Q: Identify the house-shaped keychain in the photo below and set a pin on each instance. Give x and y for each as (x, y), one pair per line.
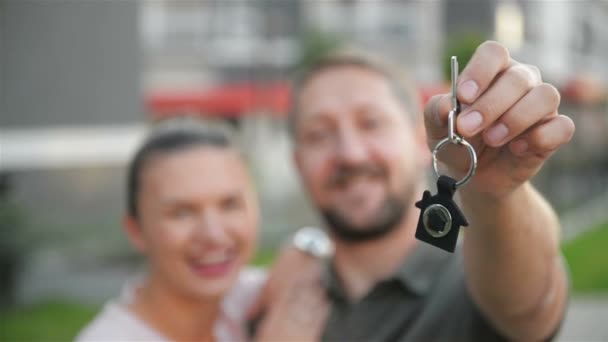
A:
(440, 218)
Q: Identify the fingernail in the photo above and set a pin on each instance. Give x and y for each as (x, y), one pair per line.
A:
(497, 133)
(470, 122)
(468, 90)
(519, 147)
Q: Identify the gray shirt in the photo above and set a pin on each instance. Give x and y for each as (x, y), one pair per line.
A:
(425, 300)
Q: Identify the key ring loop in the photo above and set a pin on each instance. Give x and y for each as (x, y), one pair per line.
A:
(453, 137)
(458, 141)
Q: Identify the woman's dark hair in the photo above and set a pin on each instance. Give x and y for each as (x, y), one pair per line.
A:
(166, 137)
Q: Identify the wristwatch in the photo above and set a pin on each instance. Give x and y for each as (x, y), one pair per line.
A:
(313, 241)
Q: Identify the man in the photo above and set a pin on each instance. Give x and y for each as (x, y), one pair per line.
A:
(361, 150)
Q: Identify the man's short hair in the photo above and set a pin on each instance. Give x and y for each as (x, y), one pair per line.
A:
(169, 136)
(399, 81)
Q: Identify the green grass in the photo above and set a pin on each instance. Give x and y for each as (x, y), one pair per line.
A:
(62, 320)
(264, 257)
(53, 321)
(587, 257)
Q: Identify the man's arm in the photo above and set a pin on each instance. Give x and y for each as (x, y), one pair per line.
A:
(514, 270)
(513, 266)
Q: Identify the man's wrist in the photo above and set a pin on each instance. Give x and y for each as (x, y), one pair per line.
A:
(481, 198)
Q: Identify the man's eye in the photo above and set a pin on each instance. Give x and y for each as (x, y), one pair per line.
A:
(232, 203)
(371, 123)
(316, 136)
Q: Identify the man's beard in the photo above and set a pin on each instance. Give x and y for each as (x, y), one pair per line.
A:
(387, 218)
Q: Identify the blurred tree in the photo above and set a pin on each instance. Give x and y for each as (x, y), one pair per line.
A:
(315, 44)
(11, 242)
(461, 45)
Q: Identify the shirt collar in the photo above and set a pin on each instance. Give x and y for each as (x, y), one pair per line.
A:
(331, 280)
(421, 267)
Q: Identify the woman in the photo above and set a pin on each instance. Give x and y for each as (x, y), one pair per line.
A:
(193, 214)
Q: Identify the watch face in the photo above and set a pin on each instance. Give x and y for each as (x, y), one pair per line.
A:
(437, 220)
(313, 241)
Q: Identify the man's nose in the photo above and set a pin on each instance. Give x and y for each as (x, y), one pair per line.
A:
(351, 148)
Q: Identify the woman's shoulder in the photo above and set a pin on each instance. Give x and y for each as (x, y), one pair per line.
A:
(251, 276)
(245, 291)
(116, 323)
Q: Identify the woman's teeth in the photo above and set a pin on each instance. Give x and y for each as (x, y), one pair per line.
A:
(213, 259)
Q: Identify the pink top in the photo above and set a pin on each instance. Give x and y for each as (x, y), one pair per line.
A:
(116, 322)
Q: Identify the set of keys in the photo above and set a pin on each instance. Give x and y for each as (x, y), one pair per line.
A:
(440, 217)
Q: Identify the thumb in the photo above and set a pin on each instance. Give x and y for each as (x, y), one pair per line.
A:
(436, 117)
(258, 307)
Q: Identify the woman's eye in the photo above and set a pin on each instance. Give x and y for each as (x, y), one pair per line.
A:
(182, 212)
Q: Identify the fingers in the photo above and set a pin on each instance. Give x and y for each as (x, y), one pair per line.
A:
(292, 264)
(490, 84)
(258, 307)
(507, 89)
(436, 116)
(303, 294)
(487, 62)
(544, 138)
(310, 305)
(304, 290)
(300, 312)
(507, 104)
(539, 103)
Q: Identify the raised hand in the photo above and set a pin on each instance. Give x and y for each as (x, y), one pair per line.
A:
(508, 114)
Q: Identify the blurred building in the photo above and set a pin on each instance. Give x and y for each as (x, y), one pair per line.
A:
(203, 44)
(70, 113)
(76, 78)
(200, 43)
(257, 40)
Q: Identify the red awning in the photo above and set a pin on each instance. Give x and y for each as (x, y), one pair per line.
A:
(584, 89)
(237, 100)
(231, 100)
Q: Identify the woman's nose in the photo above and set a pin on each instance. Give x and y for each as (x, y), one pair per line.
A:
(211, 228)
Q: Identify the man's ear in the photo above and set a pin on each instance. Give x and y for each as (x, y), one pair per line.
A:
(134, 232)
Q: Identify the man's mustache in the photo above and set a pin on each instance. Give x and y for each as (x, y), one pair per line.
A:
(344, 173)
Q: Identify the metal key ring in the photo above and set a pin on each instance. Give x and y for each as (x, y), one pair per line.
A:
(458, 141)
